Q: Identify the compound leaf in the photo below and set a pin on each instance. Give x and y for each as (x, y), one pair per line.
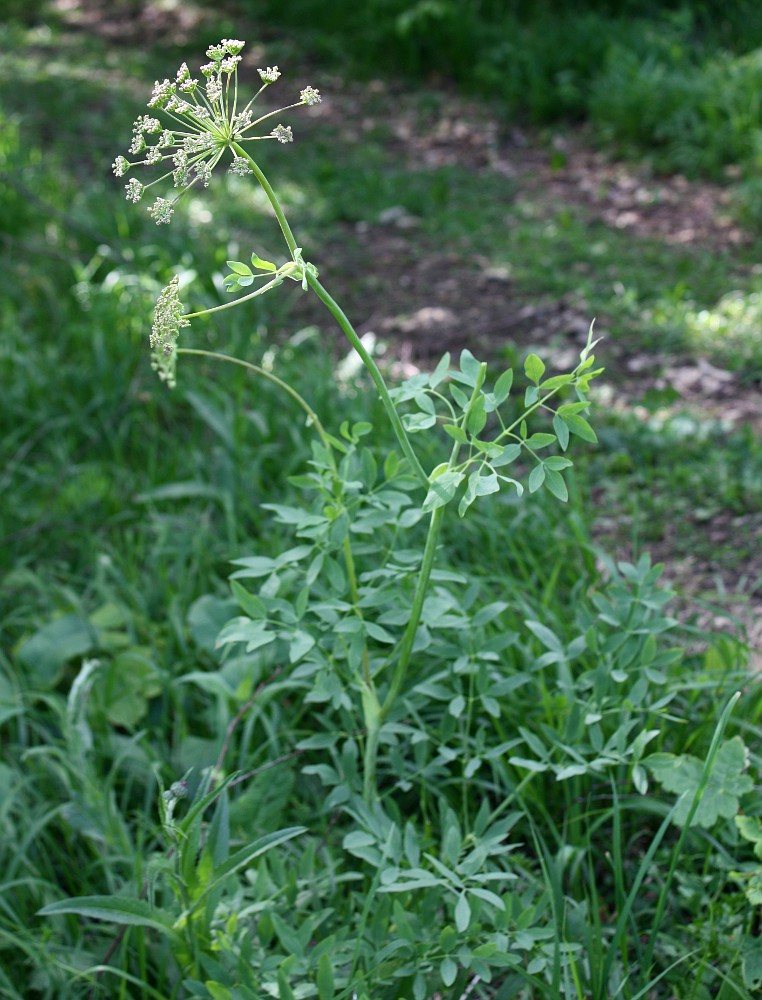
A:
(725, 785)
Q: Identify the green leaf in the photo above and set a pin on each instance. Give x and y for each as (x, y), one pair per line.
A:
(241, 629)
(244, 857)
(262, 265)
(238, 267)
(459, 396)
(299, 646)
(448, 970)
(724, 788)
(536, 478)
(284, 990)
(568, 408)
(509, 454)
(462, 913)
(116, 909)
(503, 386)
(456, 433)
(537, 441)
(325, 985)
(579, 426)
(485, 483)
(45, 653)
(557, 462)
(534, 368)
(457, 706)
(440, 372)
(751, 963)
(470, 367)
(750, 828)
(442, 490)
(477, 417)
(561, 431)
(126, 684)
(218, 991)
(206, 617)
(554, 482)
(248, 602)
(468, 497)
(555, 382)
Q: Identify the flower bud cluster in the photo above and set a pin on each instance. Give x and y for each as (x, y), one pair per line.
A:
(168, 320)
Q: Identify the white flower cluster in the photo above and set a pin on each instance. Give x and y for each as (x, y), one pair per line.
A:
(282, 133)
(310, 96)
(206, 121)
(269, 75)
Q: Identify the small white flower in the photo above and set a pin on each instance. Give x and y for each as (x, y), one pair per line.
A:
(177, 105)
(183, 73)
(213, 91)
(120, 166)
(242, 120)
(153, 155)
(161, 94)
(229, 64)
(215, 52)
(232, 45)
(144, 123)
(204, 172)
(310, 96)
(188, 86)
(208, 68)
(138, 144)
(161, 211)
(282, 133)
(240, 166)
(167, 139)
(197, 144)
(134, 190)
(181, 177)
(269, 75)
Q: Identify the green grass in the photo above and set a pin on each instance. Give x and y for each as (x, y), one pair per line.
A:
(123, 505)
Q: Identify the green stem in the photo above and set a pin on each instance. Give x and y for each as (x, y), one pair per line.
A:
(375, 715)
(236, 302)
(313, 417)
(408, 639)
(271, 197)
(391, 411)
(338, 313)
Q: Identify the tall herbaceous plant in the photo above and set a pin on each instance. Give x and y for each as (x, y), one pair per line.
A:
(395, 682)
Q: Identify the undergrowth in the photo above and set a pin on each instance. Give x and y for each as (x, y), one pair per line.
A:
(559, 784)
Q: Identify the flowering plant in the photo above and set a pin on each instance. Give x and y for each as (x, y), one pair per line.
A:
(480, 441)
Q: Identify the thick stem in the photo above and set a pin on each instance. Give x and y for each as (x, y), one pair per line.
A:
(271, 197)
(375, 717)
(408, 639)
(391, 411)
(339, 315)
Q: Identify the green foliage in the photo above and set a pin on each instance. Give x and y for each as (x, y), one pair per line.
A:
(675, 82)
(515, 843)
